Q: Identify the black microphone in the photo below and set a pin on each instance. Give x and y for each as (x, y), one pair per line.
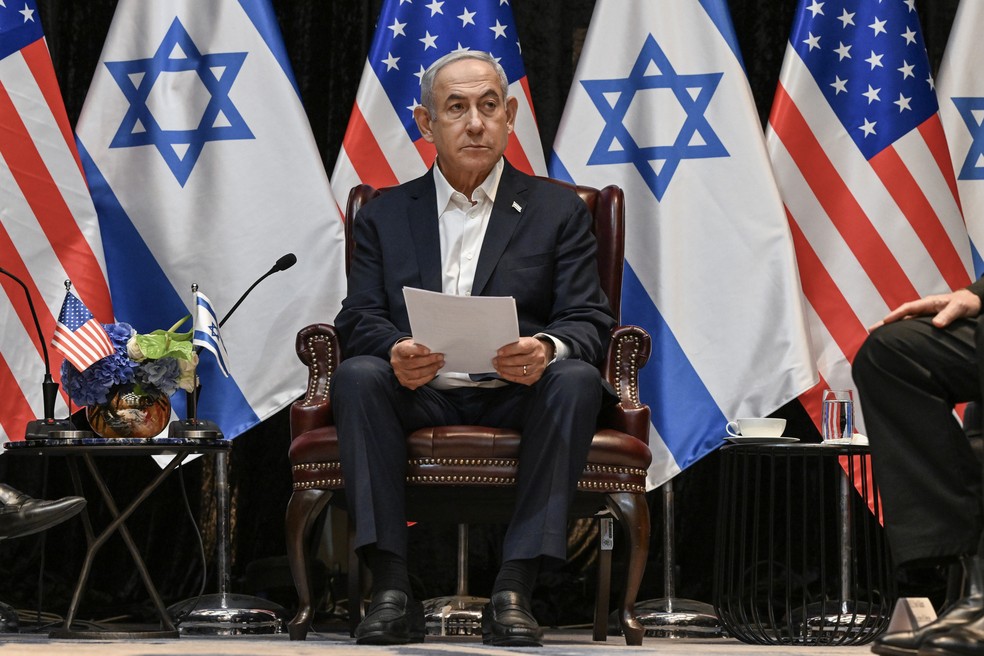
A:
(284, 263)
(43, 428)
(193, 427)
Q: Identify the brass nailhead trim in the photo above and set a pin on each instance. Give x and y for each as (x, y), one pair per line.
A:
(466, 462)
(317, 466)
(487, 480)
(321, 483)
(312, 390)
(633, 386)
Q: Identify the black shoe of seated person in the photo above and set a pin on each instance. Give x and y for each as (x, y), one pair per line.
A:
(508, 622)
(391, 619)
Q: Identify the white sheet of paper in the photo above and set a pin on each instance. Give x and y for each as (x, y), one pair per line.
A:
(468, 330)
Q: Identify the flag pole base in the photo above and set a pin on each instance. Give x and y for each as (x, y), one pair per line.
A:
(224, 614)
(195, 429)
(54, 429)
(672, 617)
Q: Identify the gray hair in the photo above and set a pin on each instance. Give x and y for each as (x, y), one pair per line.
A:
(427, 80)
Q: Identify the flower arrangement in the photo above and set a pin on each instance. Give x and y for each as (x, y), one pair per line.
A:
(163, 360)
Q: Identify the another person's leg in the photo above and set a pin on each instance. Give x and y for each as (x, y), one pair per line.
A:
(910, 374)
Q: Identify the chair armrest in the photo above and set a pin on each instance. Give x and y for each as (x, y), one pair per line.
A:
(627, 354)
(318, 348)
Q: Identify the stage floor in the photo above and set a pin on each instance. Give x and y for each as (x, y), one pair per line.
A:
(557, 643)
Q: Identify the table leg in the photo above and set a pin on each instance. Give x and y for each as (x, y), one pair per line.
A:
(118, 524)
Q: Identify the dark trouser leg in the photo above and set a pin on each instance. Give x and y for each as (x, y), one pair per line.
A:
(373, 415)
(561, 412)
(909, 376)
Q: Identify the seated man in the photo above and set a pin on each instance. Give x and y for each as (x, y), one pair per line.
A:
(471, 225)
(22, 515)
(917, 363)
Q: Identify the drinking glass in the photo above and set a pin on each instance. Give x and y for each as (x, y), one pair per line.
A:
(838, 415)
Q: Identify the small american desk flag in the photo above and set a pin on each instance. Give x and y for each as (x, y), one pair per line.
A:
(79, 336)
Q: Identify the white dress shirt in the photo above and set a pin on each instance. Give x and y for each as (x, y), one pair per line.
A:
(462, 222)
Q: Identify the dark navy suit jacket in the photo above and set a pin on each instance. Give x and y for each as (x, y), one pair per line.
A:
(538, 248)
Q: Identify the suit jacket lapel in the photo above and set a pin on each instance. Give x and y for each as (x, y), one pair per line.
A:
(422, 215)
(510, 195)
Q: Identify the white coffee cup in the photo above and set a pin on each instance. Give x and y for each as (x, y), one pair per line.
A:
(756, 427)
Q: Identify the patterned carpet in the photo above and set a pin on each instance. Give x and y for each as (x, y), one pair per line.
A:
(557, 643)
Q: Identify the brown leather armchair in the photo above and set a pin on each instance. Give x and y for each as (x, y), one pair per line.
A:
(480, 463)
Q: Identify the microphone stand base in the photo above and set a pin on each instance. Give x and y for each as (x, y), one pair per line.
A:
(223, 613)
(195, 429)
(54, 429)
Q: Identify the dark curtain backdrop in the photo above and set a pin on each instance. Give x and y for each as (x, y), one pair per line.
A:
(328, 42)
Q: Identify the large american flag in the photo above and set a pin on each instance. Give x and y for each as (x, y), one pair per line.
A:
(382, 144)
(861, 160)
(48, 230)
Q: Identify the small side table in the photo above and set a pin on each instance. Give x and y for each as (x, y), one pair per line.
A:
(801, 557)
(88, 450)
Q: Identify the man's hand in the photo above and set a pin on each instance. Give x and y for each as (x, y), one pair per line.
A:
(524, 361)
(946, 307)
(414, 364)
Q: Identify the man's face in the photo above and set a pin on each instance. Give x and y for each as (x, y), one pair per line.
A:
(472, 122)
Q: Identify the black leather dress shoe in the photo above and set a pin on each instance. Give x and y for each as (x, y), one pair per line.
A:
(908, 643)
(23, 515)
(963, 640)
(508, 622)
(392, 619)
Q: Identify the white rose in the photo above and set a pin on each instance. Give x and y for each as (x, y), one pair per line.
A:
(186, 380)
(133, 350)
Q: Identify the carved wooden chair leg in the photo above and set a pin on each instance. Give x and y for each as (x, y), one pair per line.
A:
(632, 511)
(302, 509)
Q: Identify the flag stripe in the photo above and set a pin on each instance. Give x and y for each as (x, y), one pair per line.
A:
(17, 410)
(933, 134)
(825, 296)
(364, 153)
(908, 195)
(45, 199)
(38, 60)
(838, 200)
(13, 263)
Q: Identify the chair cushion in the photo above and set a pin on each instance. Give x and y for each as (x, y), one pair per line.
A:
(473, 455)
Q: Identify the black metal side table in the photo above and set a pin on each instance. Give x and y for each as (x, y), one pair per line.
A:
(89, 450)
(801, 557)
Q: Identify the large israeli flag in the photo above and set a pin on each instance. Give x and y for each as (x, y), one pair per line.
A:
(204, 170)
(661, 106)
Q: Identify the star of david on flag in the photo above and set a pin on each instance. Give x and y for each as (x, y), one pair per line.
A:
(961, 97)
(203, 168)
(214, 74)
(382, 145)
(661, 106)
(695, 138)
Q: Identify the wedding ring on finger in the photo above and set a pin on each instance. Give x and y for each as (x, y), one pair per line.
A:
(524, 370)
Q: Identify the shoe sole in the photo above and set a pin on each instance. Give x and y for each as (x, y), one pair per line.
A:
(884, 650)
(510, 641)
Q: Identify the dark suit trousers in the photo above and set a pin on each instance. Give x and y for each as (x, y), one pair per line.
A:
(909, 375)
(556, 417)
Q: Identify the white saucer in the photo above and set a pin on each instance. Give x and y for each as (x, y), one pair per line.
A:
(760, 439)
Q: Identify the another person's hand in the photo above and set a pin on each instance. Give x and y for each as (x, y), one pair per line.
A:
(945, 307)
(414, 364)
(524, 361)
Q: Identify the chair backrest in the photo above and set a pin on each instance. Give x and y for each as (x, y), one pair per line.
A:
(607, 206)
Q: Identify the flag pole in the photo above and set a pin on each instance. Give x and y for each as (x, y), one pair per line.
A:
(670, 616)
(194, 428)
